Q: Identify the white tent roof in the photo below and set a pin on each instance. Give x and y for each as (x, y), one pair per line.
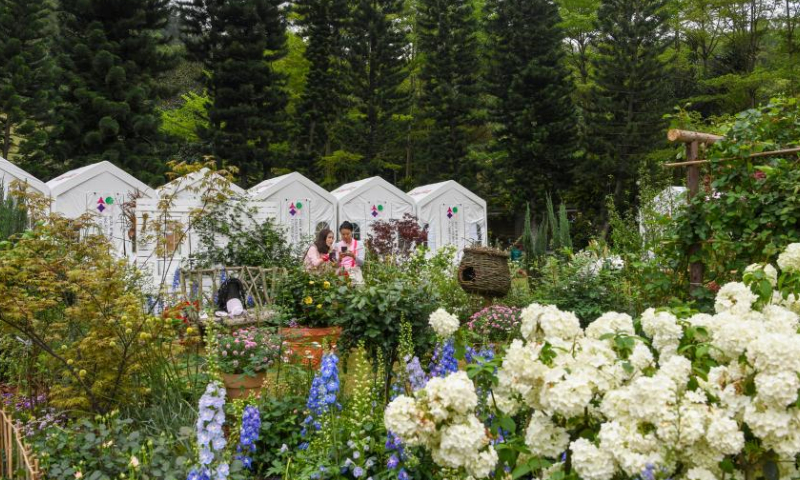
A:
(10, 172)
(427, 193)
(352, 190)
(74, 178)
(271, 186)
(193, 180)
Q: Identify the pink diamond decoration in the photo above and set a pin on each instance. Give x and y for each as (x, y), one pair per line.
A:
(449, 212)
(292, 210)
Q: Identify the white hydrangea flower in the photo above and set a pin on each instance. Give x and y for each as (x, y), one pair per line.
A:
(590, 462)
(766, 422)
(724, 434)
(777, 389)
(780, 320)
(663, 328)
(641, 357)
(677, 369)
(789, 260)
(443, 323)
(403, 418)
(460, 442)
(700, 474)
(557, 324)
(774, 351)
(610, 322)
(734, 297)
(770, 272)
(732, 336)
(522, 373)
(529, 321)
(449, 396)
(568, 397)
(545, 438)
(482, 465)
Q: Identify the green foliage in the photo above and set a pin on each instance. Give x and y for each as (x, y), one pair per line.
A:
(13, 214)
(237, 42)
(280, 417)
(247, 350)
(747, 211)
(230, 235)
(532, 90)
(27, 80)
(189, 118)
(314, 300)
(110, 55)
(106, 448)
(628, 101)
(84, 313)
(448, 44)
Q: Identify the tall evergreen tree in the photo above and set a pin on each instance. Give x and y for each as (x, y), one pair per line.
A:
(377, 62)
(532, 89)
(27, 79)
(238, 41)
(111, 57)
(448, 47)
(631, 95)
(323, 102)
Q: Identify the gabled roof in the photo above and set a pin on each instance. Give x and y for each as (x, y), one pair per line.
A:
(8, 169)
(271, 185)
(350, 190)
(192, 180)
(73, 178)
(426, 193)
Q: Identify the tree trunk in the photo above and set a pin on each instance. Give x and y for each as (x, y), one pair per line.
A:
(7, 137)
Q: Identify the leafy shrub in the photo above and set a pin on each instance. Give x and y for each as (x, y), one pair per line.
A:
(247, 350)
(396, 238)
(313, 300)
(108, 447)
(280, 417)
(13, 215)
(229, 234)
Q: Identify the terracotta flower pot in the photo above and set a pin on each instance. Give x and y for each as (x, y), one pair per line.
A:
(239, 385)
(303, 346)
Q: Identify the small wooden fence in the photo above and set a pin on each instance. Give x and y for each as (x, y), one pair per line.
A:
(16, 460)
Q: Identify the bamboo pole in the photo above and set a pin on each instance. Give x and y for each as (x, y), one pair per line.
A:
(687, 136)
(771, 153)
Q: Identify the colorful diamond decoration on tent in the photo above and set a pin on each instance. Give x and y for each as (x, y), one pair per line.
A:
(299, 205)
(292, 210)
(380, 208)
(455, 209)
(109, 200)
(101, 204)
(374, 211)
(449, 212)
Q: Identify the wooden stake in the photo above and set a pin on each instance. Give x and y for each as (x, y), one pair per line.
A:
(687, 136)
(771, 153)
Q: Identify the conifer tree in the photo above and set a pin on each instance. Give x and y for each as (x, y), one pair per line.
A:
(630, 98)
(448, 47)
(323, 102)
(378, 68)
(110, 56)
(27, 80)
(532, 93)
(238, 41)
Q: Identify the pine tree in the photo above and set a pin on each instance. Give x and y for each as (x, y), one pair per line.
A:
(630, 97)
(378, 69)
(448, 48)
(110, 53)
(533, 91)
(27, 76)
(238, 41)
(323, 102)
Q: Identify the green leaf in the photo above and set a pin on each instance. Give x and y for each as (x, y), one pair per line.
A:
(520, 471)
(508, 424)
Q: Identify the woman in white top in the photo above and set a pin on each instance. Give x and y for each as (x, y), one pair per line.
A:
(350, 252)
(319, 255)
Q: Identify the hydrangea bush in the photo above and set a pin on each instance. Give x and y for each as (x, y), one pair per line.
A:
(678, 394)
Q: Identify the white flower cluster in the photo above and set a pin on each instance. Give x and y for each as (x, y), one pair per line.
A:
(441, 417)
(789, 260)
(443, 323)
(641, 399)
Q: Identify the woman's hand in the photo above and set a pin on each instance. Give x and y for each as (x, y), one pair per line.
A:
(348, 254)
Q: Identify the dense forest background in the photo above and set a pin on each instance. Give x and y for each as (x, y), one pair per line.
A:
(512, 98)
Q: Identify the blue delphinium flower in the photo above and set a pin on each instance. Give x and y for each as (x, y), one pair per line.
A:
(480, 357)
(251, 425)
(416, 376)
(323, 393)
(444, 360)
(649, 472)
(176, 279)
(210, 437)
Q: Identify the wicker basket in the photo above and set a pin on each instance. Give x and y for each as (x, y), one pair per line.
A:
(485, 271)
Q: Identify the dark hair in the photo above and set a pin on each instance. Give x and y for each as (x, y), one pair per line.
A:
(346, 226)
(322, 240)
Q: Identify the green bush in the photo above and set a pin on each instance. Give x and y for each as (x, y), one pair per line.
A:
(13, 215)
(313, 300)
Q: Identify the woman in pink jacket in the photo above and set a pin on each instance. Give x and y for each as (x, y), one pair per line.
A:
(320, 255)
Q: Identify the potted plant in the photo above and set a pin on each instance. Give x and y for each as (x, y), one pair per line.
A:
(313, 303)
(244, 357)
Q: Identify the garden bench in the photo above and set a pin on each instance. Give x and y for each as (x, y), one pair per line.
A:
(259, 291)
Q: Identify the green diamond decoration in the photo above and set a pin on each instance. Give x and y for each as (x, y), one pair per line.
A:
(298, 205)
(455, 209)
(380, 208)
(109, 200)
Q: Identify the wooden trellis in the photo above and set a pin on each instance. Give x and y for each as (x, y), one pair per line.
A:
(259, 285)
(16, 460)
